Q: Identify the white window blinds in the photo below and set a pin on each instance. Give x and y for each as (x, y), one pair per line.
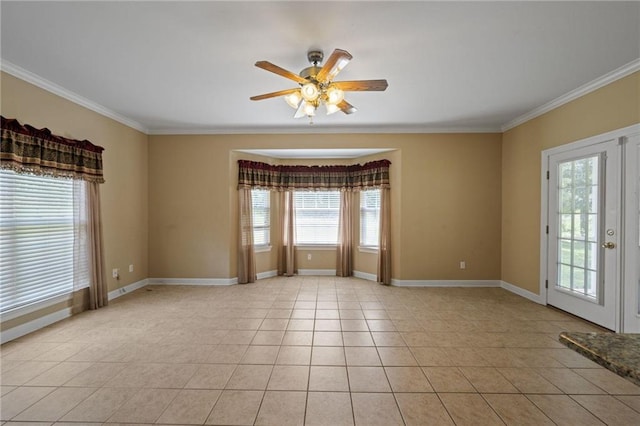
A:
(36, 238)
(317, 214)
(261, 208)
(369, 218)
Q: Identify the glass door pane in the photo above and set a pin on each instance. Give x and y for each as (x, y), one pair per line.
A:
(579, 227)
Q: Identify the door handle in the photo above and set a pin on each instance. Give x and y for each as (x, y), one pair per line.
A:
(609, 245)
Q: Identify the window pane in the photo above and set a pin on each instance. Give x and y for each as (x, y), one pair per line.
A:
(317, 216)
(261, 209)
(578, 226)
(369, 217)
(564, 276)
(565, 252)
(578, 280)
(36, 238)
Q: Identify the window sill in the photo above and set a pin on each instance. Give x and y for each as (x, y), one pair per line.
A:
(34, 307)
(368, 249)
(261, 249)
(316, 246)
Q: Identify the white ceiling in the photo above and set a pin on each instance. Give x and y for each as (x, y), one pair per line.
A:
(187, 67)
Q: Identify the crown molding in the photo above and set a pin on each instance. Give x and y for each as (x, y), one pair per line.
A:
(592, 86)
(49, 86)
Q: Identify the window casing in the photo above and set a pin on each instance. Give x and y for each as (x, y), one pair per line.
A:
(36, 239)
(369, 218)
(317, 215)
(261, 208)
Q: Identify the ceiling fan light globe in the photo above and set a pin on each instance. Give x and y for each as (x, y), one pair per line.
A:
(293, 100)
(332, 108)
(334, 96)
(310, 92)
(310, 110)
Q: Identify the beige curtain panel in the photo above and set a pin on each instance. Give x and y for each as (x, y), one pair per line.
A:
(286, 228)
(384, 244)
(246, 252)
(98, 290)
(88, 253)
(344, 259)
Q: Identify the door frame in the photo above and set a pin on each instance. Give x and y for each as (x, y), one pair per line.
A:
(619, 135)
(631, 274)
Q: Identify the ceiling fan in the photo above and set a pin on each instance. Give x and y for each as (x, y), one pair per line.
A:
(317, 86)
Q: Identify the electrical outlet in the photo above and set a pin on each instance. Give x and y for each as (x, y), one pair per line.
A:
(463, 264)
(115, 273)
(131, 268)
(308, 256)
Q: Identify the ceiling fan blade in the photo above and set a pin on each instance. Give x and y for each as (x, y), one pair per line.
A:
(266, 65)
(346, 107)
(361, 85)
(338, 60)
(273, 94)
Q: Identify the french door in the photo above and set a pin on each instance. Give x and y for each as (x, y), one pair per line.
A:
(583, 239)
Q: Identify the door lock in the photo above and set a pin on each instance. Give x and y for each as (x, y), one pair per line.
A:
(609, 245)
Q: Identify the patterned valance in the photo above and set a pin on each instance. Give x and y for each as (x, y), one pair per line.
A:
(26, 149)
(355, 177)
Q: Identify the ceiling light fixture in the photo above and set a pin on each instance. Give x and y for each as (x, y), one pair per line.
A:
(317, 87)
(314, 93)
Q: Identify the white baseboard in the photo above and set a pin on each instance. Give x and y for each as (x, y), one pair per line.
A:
(445, 283)
(522, 292)
(365, 276)
(470, 283)
(316, 272)
(193, 281)
(34, 307)
(267, 274)
(127, 289)
(36, 324)
(207, 281)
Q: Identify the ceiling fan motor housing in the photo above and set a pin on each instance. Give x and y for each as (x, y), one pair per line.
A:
(315, 56)
(310, 72)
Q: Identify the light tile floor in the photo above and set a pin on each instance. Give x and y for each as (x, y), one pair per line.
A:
(314, 351)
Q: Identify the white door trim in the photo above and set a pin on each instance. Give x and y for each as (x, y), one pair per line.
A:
(544, 202)
(631, 271)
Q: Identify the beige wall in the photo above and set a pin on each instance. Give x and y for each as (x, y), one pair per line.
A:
(445, 202)
(611, 107)
(124, 196)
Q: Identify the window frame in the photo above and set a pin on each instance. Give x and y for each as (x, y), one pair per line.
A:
(15, 185)
(310, 244)
(363, 247)
(267, 245)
